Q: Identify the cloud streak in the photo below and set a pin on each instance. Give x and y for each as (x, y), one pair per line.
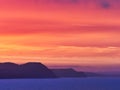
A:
(61, 28)
(85, 3)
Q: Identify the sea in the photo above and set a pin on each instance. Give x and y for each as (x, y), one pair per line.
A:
(61, 84)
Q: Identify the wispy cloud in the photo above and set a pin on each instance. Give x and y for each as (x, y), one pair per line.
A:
(56, 28)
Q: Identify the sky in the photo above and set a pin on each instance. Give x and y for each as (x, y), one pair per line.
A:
(82, 34)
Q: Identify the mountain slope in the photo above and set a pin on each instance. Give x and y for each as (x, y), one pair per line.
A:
(28, 70)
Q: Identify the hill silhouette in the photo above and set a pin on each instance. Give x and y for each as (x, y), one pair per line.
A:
(38, 70)
(28, 70)
(68, 73)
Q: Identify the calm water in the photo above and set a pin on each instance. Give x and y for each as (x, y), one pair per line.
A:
(61, 84)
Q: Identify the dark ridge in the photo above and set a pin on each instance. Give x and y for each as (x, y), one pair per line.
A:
(68, 73)
(29, 70)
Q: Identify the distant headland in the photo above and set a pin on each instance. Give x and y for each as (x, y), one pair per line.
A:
(37, 70)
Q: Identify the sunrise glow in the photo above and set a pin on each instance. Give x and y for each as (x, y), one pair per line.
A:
(60, 32)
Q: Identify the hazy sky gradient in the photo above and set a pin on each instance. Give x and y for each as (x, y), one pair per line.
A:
(61, 32)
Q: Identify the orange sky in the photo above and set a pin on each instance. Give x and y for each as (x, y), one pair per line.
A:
(60, 32)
